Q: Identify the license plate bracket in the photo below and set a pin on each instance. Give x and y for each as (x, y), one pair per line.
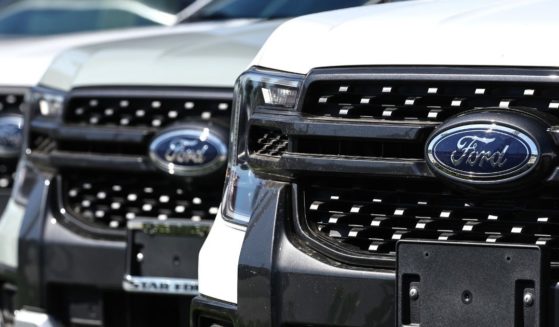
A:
(162, 256)
(441, 284)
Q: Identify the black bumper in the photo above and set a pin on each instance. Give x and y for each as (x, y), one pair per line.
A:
(283, 282)
(78, 279)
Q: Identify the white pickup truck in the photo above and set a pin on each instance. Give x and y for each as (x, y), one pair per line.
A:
(394, 165)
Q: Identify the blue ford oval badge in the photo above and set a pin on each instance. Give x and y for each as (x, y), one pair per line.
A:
(483, 153)
(11, 136)
(188, 152)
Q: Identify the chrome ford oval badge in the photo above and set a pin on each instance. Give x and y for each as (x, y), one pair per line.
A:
(483, 153)
(188, 152)
(11, 136)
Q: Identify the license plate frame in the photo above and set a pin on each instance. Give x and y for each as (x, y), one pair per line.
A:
(441, 284)
(162, 256)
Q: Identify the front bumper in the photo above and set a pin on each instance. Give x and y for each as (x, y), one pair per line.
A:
(283, 282)
(75, 279)
(300, 286)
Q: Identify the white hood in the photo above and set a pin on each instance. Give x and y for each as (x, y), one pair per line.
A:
(445, 32)
(213, 58)
(24, 61)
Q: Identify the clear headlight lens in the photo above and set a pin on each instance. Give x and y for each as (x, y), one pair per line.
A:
(255, 88)
(279, 95)
(47, 102)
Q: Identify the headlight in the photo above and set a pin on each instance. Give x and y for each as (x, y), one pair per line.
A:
(47, 102)
(254, 89)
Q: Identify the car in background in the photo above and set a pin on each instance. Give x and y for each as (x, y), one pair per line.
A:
(32, 18)
(23, 61)
(126, 145)
(393, 179)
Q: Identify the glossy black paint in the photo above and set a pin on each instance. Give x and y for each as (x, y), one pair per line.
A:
(282, 281)
(30, 251)
(49, 253)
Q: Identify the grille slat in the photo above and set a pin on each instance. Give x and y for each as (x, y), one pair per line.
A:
(415, 100)
(141, 111)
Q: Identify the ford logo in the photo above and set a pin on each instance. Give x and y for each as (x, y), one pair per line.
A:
(11, 136)
(483, 153)
(188, 151)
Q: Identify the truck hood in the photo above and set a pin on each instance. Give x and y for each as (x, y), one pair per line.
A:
(23, 61)
(213, 58)
(465, 33)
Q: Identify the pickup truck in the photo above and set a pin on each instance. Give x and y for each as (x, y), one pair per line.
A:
(28, 44)
(396, 167)
(23, 62)
(125, 157)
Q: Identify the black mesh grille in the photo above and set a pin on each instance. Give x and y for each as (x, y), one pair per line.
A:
(141, 111)
(268, 142)
(106, 199)
(371, 218)
(362, 204)
(101, 154)
(394, 100)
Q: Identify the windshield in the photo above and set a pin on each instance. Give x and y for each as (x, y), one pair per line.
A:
(267, 9)
(49, 17)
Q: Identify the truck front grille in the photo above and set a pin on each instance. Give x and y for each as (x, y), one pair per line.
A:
(100, 154)
(109, 200)
(356, 158)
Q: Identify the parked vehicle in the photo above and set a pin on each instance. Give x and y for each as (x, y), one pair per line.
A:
(396, 167)
(25, 18)
(23, 61)
(126, 146)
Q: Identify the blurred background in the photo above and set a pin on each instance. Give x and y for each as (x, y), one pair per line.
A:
(21, 18)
